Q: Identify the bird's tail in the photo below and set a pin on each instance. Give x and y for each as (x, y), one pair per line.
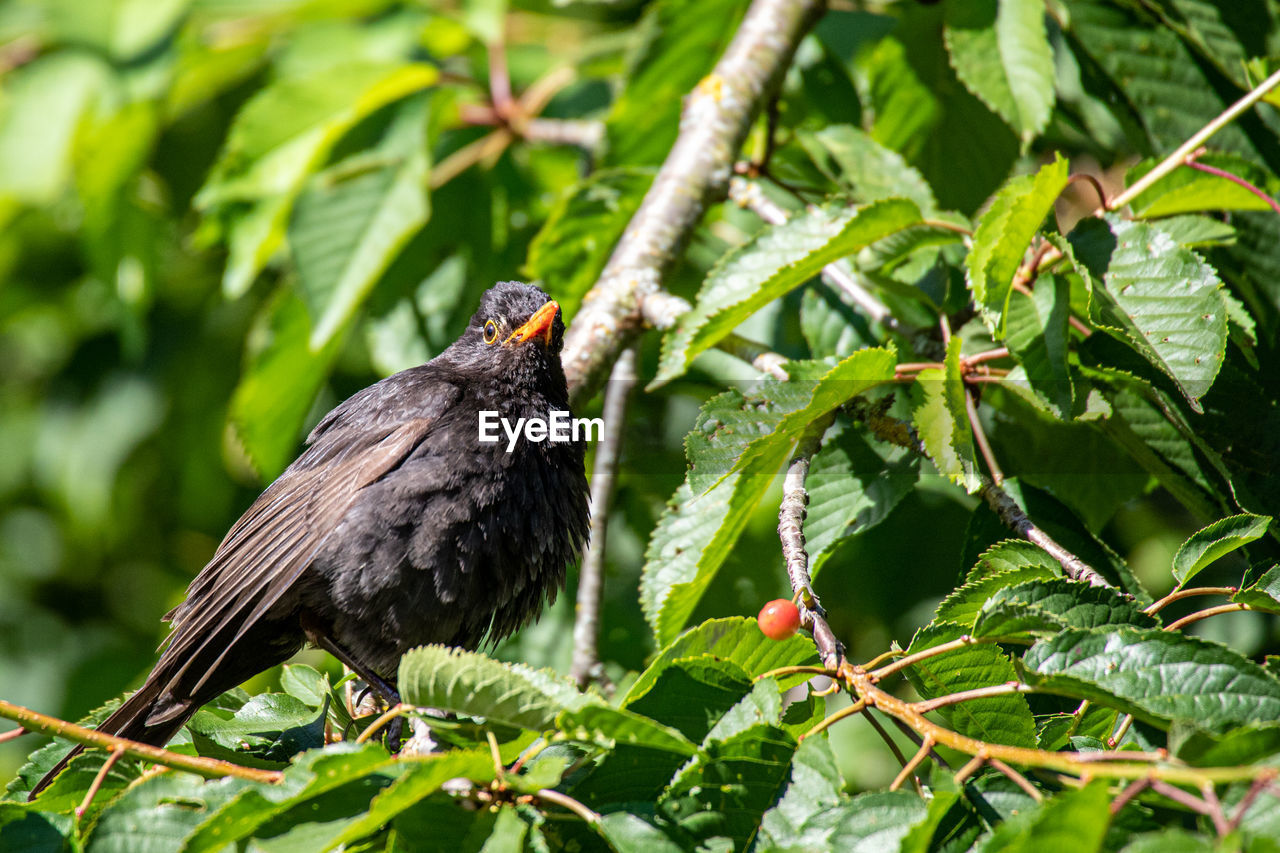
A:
(129, 721)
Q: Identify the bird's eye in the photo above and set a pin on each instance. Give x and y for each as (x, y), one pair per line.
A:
(490, 331)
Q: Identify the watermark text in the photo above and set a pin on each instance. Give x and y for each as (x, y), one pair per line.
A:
(559, 427)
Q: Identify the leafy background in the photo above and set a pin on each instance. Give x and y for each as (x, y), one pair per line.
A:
(220, 218)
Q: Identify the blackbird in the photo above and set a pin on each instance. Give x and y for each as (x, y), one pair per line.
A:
(395, 527)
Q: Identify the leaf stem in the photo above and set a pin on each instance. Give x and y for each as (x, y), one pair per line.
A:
(1235, 179)
(96, 785)
(1206, 613)
(916, 657)
(1018, 779)
(386, 717)
(568, 802)
(909, 768)
(1179, 156)
(831, 719)
(209, 768)
(1008, 688)
(1179, 594)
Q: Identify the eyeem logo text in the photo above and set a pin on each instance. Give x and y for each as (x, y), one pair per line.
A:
(557, 428)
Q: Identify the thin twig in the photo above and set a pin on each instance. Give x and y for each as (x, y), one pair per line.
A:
(1180, 796)
(921, 754)
(1018, 779)
(755, 354)
(568, 802)
(13, 735)
(1179, 594)
(1179, 156)
(586, 666)
(1133, 789)
(386, 717)
(1235, 179)
(1008, 688)
(1258, 786)
(784, 671)
(1216, 813)
(916, 657)
(1012, 515)
(980, 437)
(884, 736)
(101, 777)
(209, 768)
(1120, 732)
(1093, 182)
(883, 656)
(1205, 614)
(831, 719)
(972, 766)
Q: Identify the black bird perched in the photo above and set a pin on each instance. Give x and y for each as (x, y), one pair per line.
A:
(395, 527)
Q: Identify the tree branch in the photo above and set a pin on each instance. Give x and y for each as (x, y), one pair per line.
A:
(209, 768)
(714, 123)
(586, 627)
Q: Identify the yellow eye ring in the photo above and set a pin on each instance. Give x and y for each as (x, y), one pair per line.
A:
(490, 331)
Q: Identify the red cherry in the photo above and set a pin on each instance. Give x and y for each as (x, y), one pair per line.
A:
(779, 619)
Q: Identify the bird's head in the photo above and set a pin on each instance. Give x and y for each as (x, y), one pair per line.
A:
(516, 332)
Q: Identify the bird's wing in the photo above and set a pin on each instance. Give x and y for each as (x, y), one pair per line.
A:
(272, 543)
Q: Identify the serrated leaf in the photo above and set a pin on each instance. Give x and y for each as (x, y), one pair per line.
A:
(1050, 605)
(1159, 298)
(734, 639)
(691, 694)
(774, 262)
(1263, 594)
(347, 228)
(724, 792)
(1011, 555)
(941, 419)
(1157, 676)
(1195, 231)
(1000, 51)
(1004, 234)
(869, 170)
(877, 821)
(266, 731)
(619, 725)
(1216, 541)
(463, 682)
(35, 831)
(240, 808)
(995, 719)
(771, 420)
(853, 485)
(813, 788)
(575, 242)
(963, 605)
(277, 139)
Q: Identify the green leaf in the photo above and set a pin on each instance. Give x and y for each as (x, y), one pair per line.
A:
(995, 719)
(1000, 51)
(1053, 604)
(1264, 594)
(351, 221)
(279, 385)
(853, 485)
(266, 731)
(241, 808)
(726, 790)
(1190, 190)
(169, 812)
(279, 137)
(610, 726)
(1036, 335)
(1195, 231)
(877, 821)
(578, 237)
(1157, 676)
(123, 29)
(965, 603)
(774, 262)
(773, 419)
(813, 788)
(941, 418)
(425, 776)
(1004, 234)
(1159, 298)
(31, 831)
(734, 639)
(692, 694)
(1073, 820)
(869, 170)
(1216, 541)
(463, 682)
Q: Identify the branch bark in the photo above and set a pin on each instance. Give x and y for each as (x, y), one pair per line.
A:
(586, 626)
(713, 125)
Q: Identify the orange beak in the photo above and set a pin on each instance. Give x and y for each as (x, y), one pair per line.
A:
(539, 325)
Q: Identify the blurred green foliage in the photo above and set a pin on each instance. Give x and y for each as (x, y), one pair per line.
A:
(219, 217)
